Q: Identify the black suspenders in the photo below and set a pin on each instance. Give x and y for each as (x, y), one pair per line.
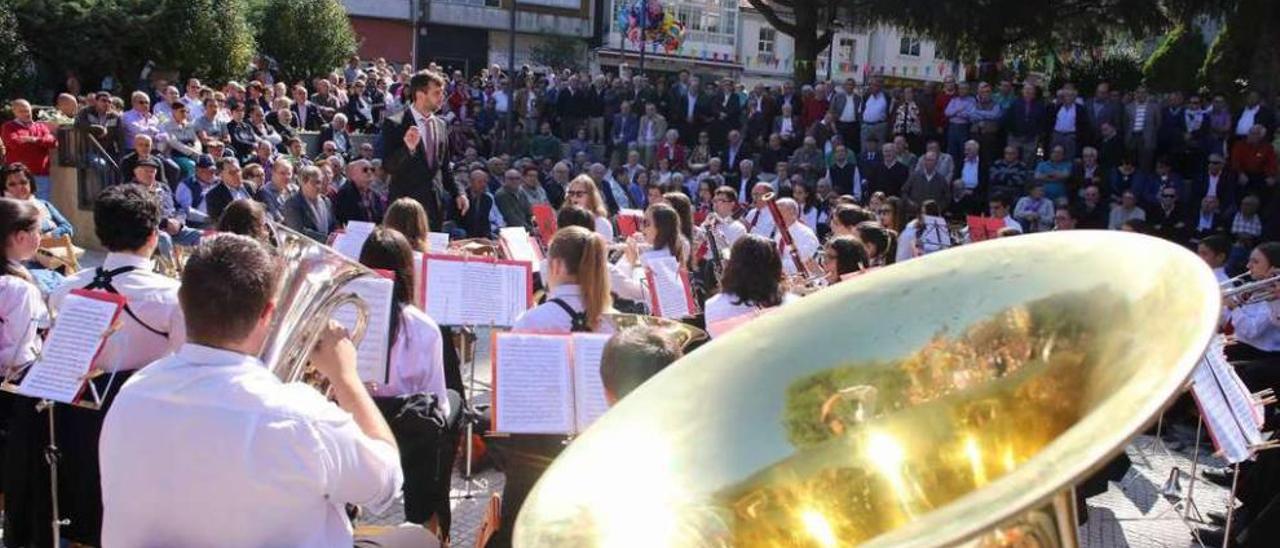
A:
(102, 280)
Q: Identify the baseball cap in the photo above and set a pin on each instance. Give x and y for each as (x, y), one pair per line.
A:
(205, 161)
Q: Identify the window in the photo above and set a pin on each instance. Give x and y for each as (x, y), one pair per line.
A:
(910, 46)
(767, 38)
(848, 49)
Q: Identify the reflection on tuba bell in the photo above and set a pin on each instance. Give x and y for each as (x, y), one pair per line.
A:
(954, 399)
(310, 290)
(682, 333)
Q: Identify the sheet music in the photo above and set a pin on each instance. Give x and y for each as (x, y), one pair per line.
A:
(519, 245)
(460, 292)
(350, 241)
(371, 353)
(531, 384)
(1226, 433)
(437, 242)
(1238, 398)
(669, 289)
(588, 387)
(77, 334)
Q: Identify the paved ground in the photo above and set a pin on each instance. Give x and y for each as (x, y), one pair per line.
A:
(1136, 512)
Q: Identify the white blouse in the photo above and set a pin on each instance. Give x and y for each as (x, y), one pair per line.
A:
(417, 359)
(549, 317)
(722, 306)
(22, 311)
(604, 228)
(1258, 325)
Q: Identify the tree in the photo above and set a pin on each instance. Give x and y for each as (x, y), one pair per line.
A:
(1247, 51)
(808, 23)
(15, 65)
(306, 37)
(1176, 61)
(216, 43)
(558, 52)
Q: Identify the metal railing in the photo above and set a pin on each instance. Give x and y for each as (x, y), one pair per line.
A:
(95, 168)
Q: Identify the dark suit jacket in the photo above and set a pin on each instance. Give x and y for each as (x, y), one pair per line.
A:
(1228, 184)
(219, 198)
(733, 155)
(1084, 126)
(888, 180)
(298, 216)
(347, 206)
(411, 176)
(344, 146)
(313, 119)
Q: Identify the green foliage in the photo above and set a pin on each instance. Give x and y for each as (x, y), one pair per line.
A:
(15, 65)
(1247, 51)
(1175, 63)
(216, 43)
(1122, 71)
(559, 52)
(306, 37)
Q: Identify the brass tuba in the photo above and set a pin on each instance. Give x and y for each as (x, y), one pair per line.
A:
(954, 399)
(310, 290)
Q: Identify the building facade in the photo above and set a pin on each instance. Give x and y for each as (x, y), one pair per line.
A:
(710, 45)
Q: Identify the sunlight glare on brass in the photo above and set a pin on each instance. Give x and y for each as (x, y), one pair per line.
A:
(954, 399)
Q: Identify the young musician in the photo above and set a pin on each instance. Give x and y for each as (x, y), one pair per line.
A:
(572, 215)
(246, 218)
(805, 240)
(578, 277)
(127, 220)
(633, 356)
(1257, 325)
(415, 363)
(20, 300)
(758, 220)
(927, 233)
(662, 235)
(843, 255)
(1214, 250)
(208, 447)
(846, 218)
(723, 205)
(752, 280)
(583, 193)
(881, 243)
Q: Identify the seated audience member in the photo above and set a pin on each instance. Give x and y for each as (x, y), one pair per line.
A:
(752, 280)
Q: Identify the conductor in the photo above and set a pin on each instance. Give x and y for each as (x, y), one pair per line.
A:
(417, 153)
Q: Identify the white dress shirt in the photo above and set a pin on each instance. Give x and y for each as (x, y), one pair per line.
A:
(731, 230)
(1245, 123)
(722, 306)
(874, 109)
(760, 221)
(153, 298)
(1066, 121)
(627, 279)
(209, 448)
(806, 242)
(417, 359)
(1257, 325)
(850, 111)
(549, 317)
(604, 228)
(22, 311)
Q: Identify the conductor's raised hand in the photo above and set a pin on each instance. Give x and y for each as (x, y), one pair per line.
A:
(412, 138)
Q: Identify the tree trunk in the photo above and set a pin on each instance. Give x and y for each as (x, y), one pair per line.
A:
(805, 63)
(1247, 49)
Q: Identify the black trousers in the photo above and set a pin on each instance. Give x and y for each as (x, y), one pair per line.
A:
(523, 459)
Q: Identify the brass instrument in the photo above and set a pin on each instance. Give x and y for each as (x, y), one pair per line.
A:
(309, 291)
(476, 247)
(976, 386)
(1259, 291)
(682, 333)
(714, 237)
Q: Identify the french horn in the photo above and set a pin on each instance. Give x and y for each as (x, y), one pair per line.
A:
(954, 399)
(312, 277)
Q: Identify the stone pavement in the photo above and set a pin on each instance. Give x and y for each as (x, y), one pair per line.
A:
(1133, 513)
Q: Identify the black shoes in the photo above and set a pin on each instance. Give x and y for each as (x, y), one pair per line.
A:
(1218, 476)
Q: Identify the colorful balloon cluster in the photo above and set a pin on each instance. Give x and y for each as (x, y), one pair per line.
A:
(645, 21)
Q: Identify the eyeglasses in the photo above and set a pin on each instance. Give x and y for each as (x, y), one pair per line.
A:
(1169, 196)
(577, 193)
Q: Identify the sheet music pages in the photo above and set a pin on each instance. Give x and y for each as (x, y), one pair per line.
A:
(350, 241)
(519, 246)
(588, 387)
(437, 242)
(1232, 434)
(77, 334)
(461, 292)
(419, 280)
(669, 289)
(532, 389)
(371, 353)
(1239, 400)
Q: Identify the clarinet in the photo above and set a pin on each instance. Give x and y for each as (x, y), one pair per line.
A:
(713, 248)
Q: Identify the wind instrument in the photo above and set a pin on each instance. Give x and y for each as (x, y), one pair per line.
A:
(780, 224)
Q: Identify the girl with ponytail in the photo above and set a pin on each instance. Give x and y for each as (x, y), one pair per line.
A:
(22, 307)
(578, 286)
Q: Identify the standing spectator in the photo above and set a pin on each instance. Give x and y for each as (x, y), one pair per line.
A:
(651, 130)
(1024, 123)
(728, 113)
(971, 179)
(909, 120)
(927, 184)
(1070, 124)
(1103, 109)
(986, 123)
(940, 102)
(846, 106)
(887, 175)
(28, 142)
(874, 116)
(1142, 117)
(622, 136)
(1255, 113)
(99, 114)
(959, 113)
(529, 104)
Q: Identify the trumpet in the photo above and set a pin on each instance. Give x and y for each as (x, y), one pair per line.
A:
(1259, 291)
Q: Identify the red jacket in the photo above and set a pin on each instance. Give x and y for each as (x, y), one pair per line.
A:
(814, 109)
(665, 150)
(1253, 159)
(34, 154)
(940, 109)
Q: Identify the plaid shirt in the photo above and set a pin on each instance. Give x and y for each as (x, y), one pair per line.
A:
(1246, 226)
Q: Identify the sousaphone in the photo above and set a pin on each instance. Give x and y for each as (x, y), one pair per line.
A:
(954, 399)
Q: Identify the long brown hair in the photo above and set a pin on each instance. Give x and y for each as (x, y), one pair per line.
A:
(584, 256)
(753, 274)
(684, 208)
(407, 216)
(595, 203)
(388, 249)
(667, 223)
(16, 217)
